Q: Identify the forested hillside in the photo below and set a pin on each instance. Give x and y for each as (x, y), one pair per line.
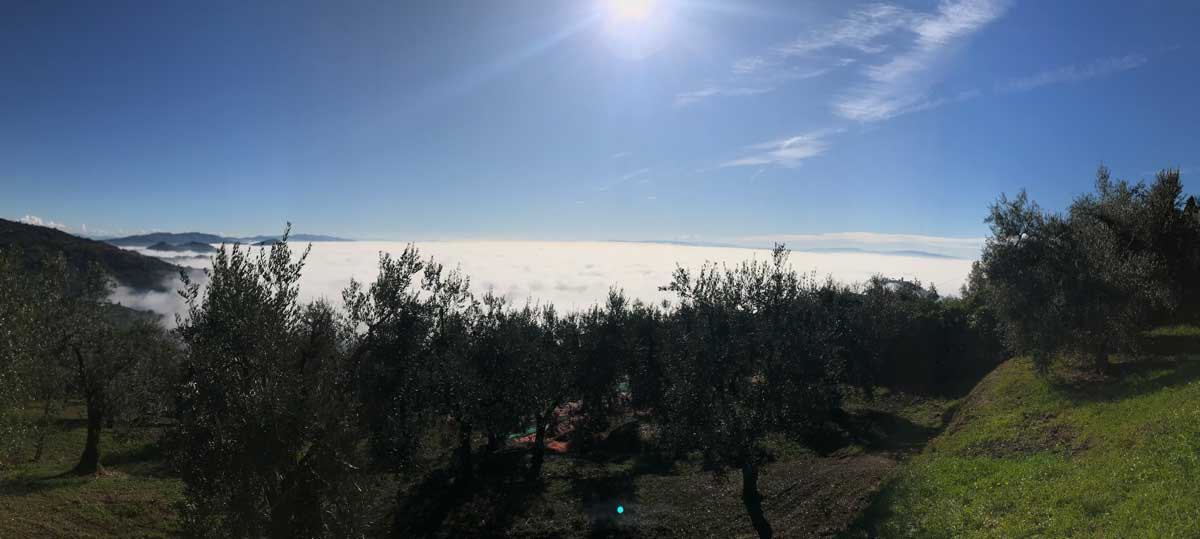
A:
(36, 246)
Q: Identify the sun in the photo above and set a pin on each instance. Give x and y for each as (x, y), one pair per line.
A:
(630, 11)
(638, 29)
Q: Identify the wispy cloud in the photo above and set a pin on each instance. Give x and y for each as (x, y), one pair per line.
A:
(620, 155)
(749, 65)
(859, 30)
(38, 221)
(900, 51)
(750, 77)
(1075, 72)
(900, 85)
(684, 99)
(787, 152)
(630, 176)
(872, 108)
(764, 73)
(899, 54)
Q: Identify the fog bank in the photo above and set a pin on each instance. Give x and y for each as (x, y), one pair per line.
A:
(571, 275)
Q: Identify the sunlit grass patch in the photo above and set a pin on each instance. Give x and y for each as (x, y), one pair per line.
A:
(1026, 457)
(133, 497)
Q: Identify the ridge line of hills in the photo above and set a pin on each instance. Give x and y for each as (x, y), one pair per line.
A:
(37, 244)
(851, 250)
(180, 238)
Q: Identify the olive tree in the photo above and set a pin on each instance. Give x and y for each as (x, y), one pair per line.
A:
(60, 338)
(267, 437)
(747, 357)
(1087, 282)
(451, 375)
(503, 338)
(391, 347)
(113, 362)
(15, 343)
(603, 346)
(543, 370)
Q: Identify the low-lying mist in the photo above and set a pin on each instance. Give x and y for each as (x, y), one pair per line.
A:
(571, 275)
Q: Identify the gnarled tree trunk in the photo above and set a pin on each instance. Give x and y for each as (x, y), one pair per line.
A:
(539, 447)
(42, 427)
(753, 500)
(466, 471)
(1100, 359)
(89, 462)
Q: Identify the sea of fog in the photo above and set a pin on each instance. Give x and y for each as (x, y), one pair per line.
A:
(571, 275)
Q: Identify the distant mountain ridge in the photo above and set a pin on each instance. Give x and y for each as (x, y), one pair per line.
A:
(169, 238)
(901, 252)
(183, 247)
(293, 237)
(182, 238)
(38, 244)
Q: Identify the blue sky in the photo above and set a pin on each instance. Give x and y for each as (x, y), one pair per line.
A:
(709, 120)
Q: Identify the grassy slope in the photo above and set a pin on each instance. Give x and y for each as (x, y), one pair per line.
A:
(132, 498)
(1025, 457)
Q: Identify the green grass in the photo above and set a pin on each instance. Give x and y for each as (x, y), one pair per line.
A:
(133, 497)
(1172, 340)
(1175, 331)
(1029, 457)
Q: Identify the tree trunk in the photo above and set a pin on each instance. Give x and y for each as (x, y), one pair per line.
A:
(1100, 361)
(43, 426)
(281, 519)
(89, 462)
(398, 524)
(466, 472)
(539, 447)
(753, 500)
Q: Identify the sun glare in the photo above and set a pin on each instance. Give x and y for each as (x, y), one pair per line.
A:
(638, 29)
(630, 11)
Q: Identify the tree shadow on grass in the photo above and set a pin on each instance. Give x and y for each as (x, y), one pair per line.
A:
(873, 430)
(600, 497)
(443, 506)
(26, 485)
(879, 511)
(1131, 379)
(147, 460)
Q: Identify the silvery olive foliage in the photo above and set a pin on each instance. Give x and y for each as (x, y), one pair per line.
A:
(1089, 281)
(267, 441)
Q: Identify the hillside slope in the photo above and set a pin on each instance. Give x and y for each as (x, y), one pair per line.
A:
(37, 244)
(172, 238)
(1027, 457)
(181, 238)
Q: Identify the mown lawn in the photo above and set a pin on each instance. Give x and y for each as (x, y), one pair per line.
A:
(133, 497)
(1027, 456)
